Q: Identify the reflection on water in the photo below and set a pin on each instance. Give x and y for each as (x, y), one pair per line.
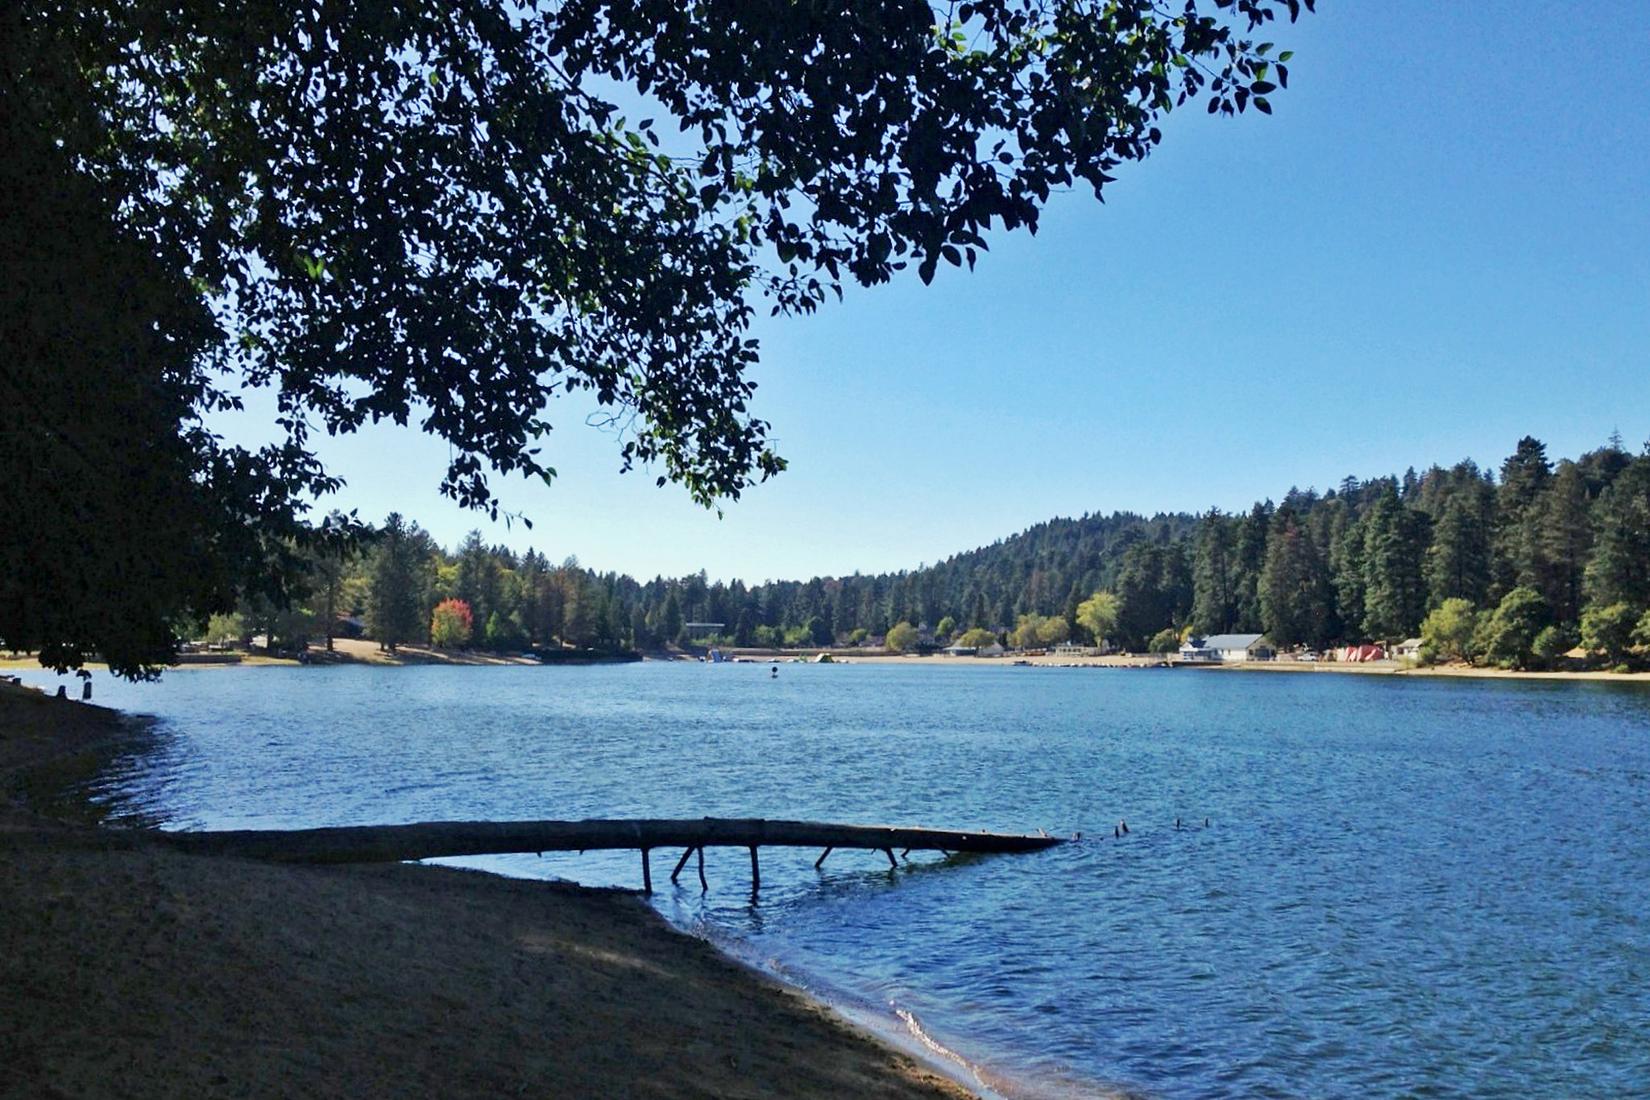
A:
(1404, 887)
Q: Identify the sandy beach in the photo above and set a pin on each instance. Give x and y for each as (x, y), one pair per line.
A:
(135, 971)
(1372, 668)
(345, 651)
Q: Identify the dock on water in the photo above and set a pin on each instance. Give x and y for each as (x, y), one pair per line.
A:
(437, 839)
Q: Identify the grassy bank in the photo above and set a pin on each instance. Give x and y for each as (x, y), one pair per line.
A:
(135, 971)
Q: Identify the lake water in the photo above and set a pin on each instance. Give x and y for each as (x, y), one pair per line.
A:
(1405, 887)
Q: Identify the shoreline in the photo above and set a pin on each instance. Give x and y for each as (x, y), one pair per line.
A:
(358, 652)
(130, 967)
(1373, 668)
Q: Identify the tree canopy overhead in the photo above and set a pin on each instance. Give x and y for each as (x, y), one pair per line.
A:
(438, 212)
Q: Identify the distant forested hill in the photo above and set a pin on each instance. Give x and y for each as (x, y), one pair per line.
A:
(1558, 547)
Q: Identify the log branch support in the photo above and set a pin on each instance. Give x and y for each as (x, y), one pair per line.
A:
(674, 875)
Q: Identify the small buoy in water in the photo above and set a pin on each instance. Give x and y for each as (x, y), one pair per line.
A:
(1177, 823)
(775, 674)
(1205, 823)
(1116, 833)
(1125, 826)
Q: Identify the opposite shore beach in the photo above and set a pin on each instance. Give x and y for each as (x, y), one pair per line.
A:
(1372, 668)
(363, 652)
(132, 970)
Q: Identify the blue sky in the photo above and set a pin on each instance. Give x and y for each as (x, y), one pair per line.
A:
(1438, 243)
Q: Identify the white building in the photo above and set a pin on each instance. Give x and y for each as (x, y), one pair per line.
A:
(1227, 649)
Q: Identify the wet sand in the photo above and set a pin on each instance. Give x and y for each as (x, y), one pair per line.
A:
(134, 971)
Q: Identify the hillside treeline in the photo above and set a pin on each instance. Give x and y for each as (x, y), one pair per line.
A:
(1363, 561)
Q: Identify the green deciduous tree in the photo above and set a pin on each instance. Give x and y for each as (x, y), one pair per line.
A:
(977, 637)
(504, 635)
(284, 626)
(1447, 631)
(1551, 644)
(901, 638)
(1033, 630)
(225, 627)
(1098, 615)
(1608, 630)
(1506, 636)
(1024, 634)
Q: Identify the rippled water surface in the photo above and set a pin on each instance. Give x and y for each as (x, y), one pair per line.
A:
(1405, 887)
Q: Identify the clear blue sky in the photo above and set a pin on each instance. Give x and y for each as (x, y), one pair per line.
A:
(1439, 242)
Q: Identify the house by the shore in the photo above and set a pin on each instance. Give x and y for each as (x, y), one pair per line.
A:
(1227, 649)
(992, 650)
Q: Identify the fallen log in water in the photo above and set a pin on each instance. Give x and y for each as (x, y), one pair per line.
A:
(433, 839)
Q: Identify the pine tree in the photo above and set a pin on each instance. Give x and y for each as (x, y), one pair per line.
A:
(1395, 545)
(1250, 547)
(1524, 477)
(478, 582)
(1145, 608)
(1175, 581)
(1618, 569)
(641, 638)
(1214, 597)
(1565, 533)
(1294, 588)
(393, 595)
(327, 573)
(670, 621)
(1458, 561)
(1346, 570)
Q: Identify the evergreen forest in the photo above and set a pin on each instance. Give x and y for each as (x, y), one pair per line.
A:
(1515, 565)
